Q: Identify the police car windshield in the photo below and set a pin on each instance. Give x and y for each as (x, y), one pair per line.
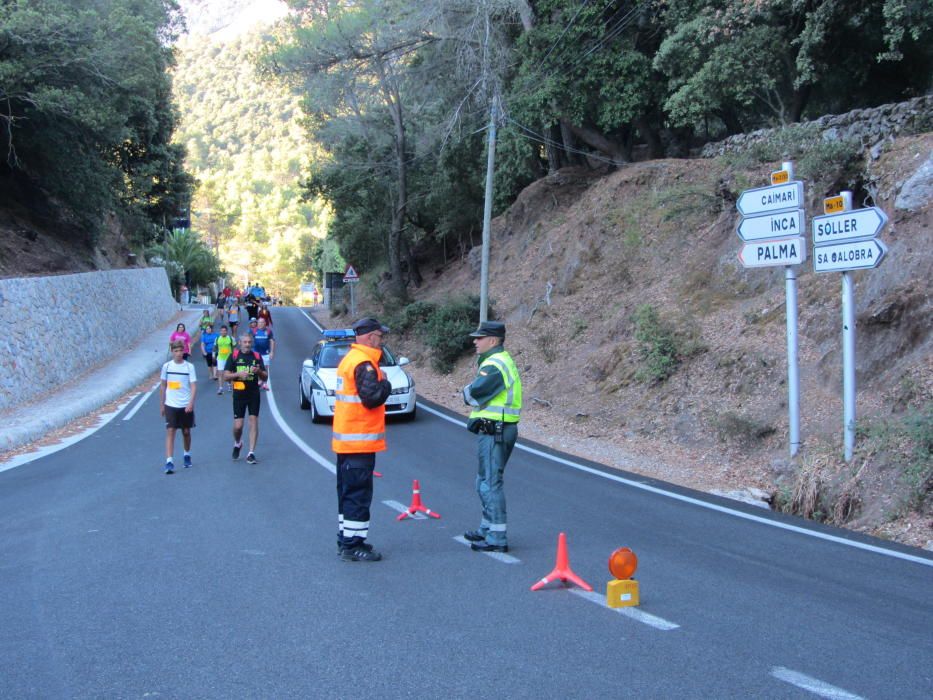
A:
(333, 353)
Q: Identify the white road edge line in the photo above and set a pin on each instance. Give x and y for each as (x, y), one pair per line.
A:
(139, 404)
(658, 623)
(812, 685)
(66, 442)
(705, 504)
(501, 556)
(401, 508)
(290, 434)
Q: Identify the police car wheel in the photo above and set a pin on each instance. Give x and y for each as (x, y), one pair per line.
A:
(315, 416)
(302, 399)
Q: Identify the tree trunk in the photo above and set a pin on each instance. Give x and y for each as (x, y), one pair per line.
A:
(566, 135)
(394, 104)
(799, 103)
(650, 136)
(596, 139)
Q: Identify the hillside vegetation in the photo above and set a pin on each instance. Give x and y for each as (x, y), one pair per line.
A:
(247, 150)
(644, 343)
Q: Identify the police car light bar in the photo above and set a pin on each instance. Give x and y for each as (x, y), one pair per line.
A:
(341, 333)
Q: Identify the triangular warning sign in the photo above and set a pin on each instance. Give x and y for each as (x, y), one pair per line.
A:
(350, 274)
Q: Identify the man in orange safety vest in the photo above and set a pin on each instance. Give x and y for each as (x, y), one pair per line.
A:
(359, 433)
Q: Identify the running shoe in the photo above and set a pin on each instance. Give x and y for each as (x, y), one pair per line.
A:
(169, 468)
(220, 390)
(251, 459)
(236, 451)
(187, 461)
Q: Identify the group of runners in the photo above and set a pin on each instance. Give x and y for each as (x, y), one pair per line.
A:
(238, 364)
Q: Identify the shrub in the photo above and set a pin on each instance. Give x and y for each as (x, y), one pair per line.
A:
(658, 345)
(447, 330)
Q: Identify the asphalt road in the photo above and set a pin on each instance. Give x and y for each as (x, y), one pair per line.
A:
(221, 581)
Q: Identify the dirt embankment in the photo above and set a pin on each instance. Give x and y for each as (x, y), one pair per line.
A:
(644, 344)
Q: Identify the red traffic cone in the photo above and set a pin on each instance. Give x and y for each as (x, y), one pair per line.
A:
(416, 505)
(562, 570)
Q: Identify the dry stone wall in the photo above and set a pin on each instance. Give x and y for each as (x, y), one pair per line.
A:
(54, 329)
(869, 127)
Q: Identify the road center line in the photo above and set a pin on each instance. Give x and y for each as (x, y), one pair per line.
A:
(291, 435)
(401, 508)
(705, 504)
(812, 685)
(501, 556)
(658, 623)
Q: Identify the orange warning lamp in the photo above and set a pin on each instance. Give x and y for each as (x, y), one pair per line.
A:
(623, 591)
(622, 563)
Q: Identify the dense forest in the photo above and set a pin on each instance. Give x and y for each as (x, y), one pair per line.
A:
(86, 115)
(398, 95)
(247, 150)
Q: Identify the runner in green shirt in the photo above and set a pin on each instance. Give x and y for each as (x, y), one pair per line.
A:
(223, 348)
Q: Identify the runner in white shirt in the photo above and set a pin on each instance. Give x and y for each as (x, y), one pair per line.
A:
(176, 403)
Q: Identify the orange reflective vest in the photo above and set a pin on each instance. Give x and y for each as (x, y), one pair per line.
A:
(357, 428)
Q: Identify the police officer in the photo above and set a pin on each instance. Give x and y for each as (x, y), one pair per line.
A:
(359, 433)
(496, 398)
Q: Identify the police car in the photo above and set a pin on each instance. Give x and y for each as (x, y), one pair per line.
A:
(318, 378)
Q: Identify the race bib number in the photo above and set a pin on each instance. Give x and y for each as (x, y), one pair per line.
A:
(239, 386)
(174, 385)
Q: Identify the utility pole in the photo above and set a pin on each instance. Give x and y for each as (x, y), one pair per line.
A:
(487, 216)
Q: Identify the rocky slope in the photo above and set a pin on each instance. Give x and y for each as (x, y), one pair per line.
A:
(582, 263)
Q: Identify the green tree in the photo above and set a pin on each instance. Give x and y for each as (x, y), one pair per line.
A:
(83, 103)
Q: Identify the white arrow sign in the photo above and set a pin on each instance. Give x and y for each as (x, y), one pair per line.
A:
(860, 255)
(764, 200)
(780, 252)
(759, 228)
(848, 225)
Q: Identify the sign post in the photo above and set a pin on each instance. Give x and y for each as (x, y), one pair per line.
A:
(844, 240)
(771, 228)
(350, 277)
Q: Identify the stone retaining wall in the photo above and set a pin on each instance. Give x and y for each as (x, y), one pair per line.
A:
(869, 127)
(54, 329)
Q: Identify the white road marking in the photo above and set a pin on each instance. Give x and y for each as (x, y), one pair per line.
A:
(705, 504)
(395, 505)
(812, 685)
(139, 404)
(65, 442)
(634, 613)
(501, 556)
(290, 434)
(313, 322)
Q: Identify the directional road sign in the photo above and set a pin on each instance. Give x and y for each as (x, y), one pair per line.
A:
(774, 253)
(860, 255)
(764, 200)
(759, 228)
(848, 225)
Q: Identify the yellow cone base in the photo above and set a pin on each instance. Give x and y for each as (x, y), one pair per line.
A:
(622, 593)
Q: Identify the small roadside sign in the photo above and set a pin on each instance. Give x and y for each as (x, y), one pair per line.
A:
(848, 225)
(350, 275)
(859, 255)
(774, 253)
(834, 205)
(759, 228)
(764, 200)
(779, 177)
